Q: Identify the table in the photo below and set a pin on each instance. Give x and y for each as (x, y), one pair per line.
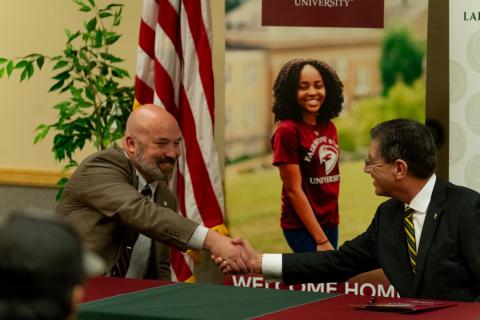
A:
(115, 298)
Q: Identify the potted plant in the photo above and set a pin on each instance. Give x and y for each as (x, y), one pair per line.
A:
(94, 106)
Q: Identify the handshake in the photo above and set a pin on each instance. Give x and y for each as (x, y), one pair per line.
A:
(233, 255)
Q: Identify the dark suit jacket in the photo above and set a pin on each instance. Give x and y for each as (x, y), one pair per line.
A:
(448, 258)
(103, 204)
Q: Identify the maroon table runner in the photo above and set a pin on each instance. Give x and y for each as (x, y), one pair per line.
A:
(331, 308)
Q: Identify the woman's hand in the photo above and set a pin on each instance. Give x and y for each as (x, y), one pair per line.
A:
(325, 246)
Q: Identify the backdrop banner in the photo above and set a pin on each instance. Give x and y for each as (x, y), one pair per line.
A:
(464, 137)
(374, 286)
(323, 13)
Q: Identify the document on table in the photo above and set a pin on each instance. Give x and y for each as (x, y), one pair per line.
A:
(403, 306)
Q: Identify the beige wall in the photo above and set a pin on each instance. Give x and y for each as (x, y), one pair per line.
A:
(38, 26)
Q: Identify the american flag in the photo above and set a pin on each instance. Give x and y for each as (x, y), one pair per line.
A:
(174, 70)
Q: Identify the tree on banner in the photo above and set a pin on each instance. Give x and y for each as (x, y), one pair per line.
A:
(174, 70)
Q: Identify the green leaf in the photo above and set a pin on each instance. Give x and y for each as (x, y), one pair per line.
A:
(105, 14)
(111, 39)
(98, 39)
(56, 86)
(40, 126)
(82, 53)
(40, 62)
(79, 2)
(83, 6)
(110, 57)
(32, 55)
(91, 25)
(62, 105)
(44, 129)
(92, 3)
(2, 72)
(112, 5)
(62, 75)
(104, 69)
(3, 60)
(66, 87)
(72, 37)
(90, 93)
(60, 64)
(23, 75)
(10, 68)
(62, 182)
(99, 82)
(61, 185)
(117, 20)
(76, 93)
(21, 64)
(120, 73)
(30, 69)
(70, 53)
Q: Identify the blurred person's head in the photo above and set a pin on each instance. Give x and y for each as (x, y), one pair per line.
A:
(307, 89)
(42, 268)
(152, 141)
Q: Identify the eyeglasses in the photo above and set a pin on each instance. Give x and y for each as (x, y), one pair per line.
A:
(369, 162)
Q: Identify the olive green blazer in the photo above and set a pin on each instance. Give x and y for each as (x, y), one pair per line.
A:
(102, 203)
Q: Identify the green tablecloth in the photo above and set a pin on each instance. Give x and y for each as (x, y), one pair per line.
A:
(196, 301)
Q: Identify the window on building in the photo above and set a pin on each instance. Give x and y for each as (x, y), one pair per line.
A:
(228, 116)
(249, 115)
(363, 82)
(228, 73)
(250, 75)
(341, 67)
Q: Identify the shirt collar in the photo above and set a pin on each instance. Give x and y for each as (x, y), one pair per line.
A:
(421, 201)
(142, 183)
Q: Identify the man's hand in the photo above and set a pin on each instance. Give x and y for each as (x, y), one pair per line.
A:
(254, 258)
(235, 255)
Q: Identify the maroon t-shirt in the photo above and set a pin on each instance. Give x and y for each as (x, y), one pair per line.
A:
(315, 149)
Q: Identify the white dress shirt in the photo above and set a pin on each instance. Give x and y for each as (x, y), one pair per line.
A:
(141, 249)
(272, 262)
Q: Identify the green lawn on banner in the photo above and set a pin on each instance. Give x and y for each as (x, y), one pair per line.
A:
(253, 205)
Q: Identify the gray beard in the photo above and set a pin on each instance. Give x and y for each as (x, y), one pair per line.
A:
(152, 171)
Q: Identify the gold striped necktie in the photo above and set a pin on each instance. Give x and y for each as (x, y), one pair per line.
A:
(410, 233)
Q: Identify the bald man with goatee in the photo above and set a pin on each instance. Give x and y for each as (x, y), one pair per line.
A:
(119, 202)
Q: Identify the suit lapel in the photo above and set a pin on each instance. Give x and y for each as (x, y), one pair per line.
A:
(158, 195)
(130, 236)
(430, 225)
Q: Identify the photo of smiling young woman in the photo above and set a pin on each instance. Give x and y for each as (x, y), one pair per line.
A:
(307, 95)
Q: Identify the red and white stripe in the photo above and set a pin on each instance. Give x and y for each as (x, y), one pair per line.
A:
(174, 70)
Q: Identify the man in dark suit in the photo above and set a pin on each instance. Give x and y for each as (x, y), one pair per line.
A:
(426, 238)
(118, 201)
